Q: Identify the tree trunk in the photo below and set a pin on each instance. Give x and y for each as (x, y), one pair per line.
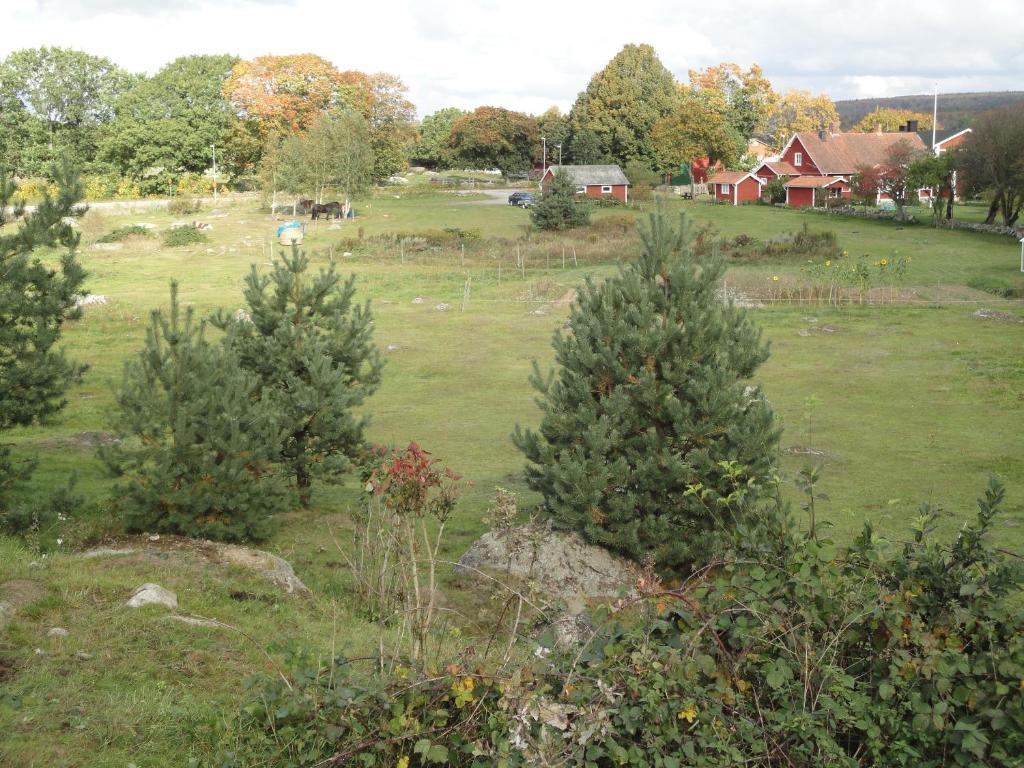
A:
(993, 208)
(303, 480)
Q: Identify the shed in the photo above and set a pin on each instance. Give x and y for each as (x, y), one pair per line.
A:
(593, 180)
(800, 191)
(735, 187)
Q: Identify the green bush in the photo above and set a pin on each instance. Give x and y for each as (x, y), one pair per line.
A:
(650, 440)
(119, 234)
(558, 207)
(774, 191)
(183, 206)
(198, 448)
(178, 236)
(782, 652)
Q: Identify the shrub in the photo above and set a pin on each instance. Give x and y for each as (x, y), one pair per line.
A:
(178, 236)
(774, 191)
(780, 652)
(617, 223)
(119, 234)
(199, 448)
(183, 206)
(649, 440)
(127, 189)
(190, 184)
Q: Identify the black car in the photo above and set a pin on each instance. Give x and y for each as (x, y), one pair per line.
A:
(522, 199)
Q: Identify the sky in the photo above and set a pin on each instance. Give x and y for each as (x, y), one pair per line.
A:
(530, 55)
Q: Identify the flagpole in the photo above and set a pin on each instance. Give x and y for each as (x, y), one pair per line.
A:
(935, 115)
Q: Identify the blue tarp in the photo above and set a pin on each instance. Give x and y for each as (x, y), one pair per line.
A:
(289, 225)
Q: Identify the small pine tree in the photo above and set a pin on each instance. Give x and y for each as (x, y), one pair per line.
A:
(35, 300)
(312, 350)
(198, 447)
(649, 437)
(558, 207)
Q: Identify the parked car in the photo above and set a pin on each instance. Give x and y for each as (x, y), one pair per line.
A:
(519, 198)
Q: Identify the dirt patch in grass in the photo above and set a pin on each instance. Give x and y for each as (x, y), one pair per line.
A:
(15, 595)
(999, 317)
(82, 441)
(8, 669)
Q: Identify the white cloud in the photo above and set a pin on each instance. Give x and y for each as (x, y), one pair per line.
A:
(530, 55)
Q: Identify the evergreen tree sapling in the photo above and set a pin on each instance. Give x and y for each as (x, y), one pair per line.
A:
(649, 437)
(35, 300)
(558, 207)
(311, 347)
(199, 445)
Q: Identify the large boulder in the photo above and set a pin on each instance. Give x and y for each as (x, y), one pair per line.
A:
(560, 564)
(153, 594)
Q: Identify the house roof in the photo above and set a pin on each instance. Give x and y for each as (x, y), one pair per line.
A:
(810, 182)
(778, 167)
(941, 137)
(843, 153)
(590, 175)
(732, 177)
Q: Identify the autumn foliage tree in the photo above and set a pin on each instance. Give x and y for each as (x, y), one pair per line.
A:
(492, 137)
(891, 120)
(698, 128)
(798, 111)
(746, 98)
(992, 160)
(892, 177)
(285, 93)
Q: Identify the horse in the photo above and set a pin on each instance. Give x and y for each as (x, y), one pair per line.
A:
(328, 210)
(306, 205)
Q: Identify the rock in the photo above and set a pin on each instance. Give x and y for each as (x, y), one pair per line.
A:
(271, 567)
(153, 594)
(570, 631)
(89, 299)
(106, 246)
(107, 552)
(1003, 317)
(194, 621)
(418, 300)
(347, 255)
(16, 594)
(57, 632)
(144, 225)
(443, 307)
(561, 564)
(82, 655)
(397, 180)
(392, 348)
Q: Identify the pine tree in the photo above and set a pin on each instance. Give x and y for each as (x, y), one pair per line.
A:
(558, 207)
(311, 347)
(649, 438)
(198, 446)
(35, 300)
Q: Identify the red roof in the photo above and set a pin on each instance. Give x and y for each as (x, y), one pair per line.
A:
(806, 182)
(843, 153)
(779, 168)
(731, 177)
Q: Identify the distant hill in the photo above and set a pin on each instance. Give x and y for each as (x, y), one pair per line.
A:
(956, 110)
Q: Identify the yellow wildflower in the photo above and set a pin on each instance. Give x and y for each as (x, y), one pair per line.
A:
(689, 714)
(775, 278)
(742, 684)
(883, 262)
(403, 762)
(828, 262)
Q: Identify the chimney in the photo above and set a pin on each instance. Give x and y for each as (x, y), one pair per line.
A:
(911, 126)
(822, 135)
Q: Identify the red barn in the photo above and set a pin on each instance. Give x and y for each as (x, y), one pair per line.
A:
(841, 154)
(593, 180)
(800, 191)
(735, 187)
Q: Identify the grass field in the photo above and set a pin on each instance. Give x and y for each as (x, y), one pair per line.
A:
(918, 401)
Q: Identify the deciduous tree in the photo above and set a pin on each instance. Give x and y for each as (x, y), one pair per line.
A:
(695, 129)
(992, 161)
(433, 148)
(747, 97)
(492, 137)
(798, 111)
(623, 101)
(891, 120)
(392, 131)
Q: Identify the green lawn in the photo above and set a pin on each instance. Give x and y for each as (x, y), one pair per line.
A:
(916, 403)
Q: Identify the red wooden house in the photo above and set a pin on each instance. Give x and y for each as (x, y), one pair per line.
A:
(735, 187)
(593, 180)
(773, 169)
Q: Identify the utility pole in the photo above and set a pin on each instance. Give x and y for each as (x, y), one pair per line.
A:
(559, 155)
(543, 156)
(935, 116)
(214, 148)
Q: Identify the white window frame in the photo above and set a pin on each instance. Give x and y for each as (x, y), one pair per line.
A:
(798, 159)
(726, 189)
(581, 189)
(606, 189)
